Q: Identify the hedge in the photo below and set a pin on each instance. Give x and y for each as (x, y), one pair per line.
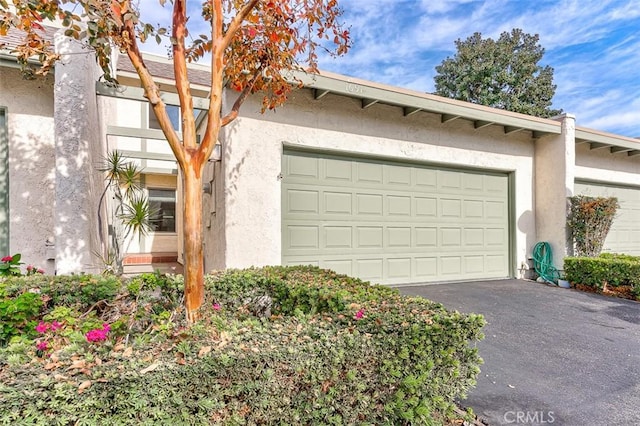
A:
(612, 269)
(277, 346)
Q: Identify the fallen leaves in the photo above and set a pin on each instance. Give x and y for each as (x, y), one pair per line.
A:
(84, 385)
(152, 367)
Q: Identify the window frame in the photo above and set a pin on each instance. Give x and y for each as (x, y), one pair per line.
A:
(148, 190)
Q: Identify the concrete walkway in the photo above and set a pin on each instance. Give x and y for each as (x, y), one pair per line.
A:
(552, 356)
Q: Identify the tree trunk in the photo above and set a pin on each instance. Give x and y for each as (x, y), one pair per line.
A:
(193, 239)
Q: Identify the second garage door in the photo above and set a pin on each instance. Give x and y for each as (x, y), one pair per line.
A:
(393, 222)
(624, 235)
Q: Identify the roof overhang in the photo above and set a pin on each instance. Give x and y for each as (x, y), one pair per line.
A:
(412, 102)
(615, 144)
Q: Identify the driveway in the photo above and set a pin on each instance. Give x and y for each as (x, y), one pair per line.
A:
(551, 356)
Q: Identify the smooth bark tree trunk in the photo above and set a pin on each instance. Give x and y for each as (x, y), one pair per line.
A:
(193, 239)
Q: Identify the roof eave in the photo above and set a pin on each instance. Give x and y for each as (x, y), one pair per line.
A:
(412, 102)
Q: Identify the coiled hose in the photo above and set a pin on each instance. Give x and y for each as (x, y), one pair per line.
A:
(543, 262)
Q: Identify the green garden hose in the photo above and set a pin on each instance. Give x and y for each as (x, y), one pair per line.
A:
(543, 262)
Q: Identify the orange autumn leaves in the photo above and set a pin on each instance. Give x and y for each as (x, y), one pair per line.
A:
(279, 36)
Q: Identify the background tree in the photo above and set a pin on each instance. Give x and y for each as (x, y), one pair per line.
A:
(501, 73)
(251, 43)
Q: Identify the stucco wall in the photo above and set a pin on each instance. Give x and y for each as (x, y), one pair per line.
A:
(78, 143)
(31, 165)
(602, 165)
(253, 147)
(554, 178)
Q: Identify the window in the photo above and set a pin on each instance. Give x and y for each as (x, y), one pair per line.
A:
(163, 203)
(174, 115)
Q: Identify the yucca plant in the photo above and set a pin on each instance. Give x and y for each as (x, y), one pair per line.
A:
(130, 214)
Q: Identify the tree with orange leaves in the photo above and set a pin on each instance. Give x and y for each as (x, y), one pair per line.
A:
(252, 44)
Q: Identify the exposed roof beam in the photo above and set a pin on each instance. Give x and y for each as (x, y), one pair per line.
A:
(604, 140)
(407, 111)
(448, 117)
(598, 145)
(537, 135)
(319, 93)
(479, 124)
(511, 129)
(615, 149)
(633, 153)
(389, 95)
(366, 103)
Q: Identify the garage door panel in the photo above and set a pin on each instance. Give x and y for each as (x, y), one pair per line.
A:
(426, 207)
(303, 167)
(303, 237)
(495, 209)
(451, 265)
(426, 237)
(369, 204)
(370, 269)
(474, 264)
(398, 205)
(399, 237)
(451, 237)
(450, 181)
(338, 202)
(408, 228)
(369, 173)
(341, 266)
(338, 237)
(426, 268)
(473, 209)
(473, 183)
(338, 170)
(399, 177)
(426, 180)
(451, 208)
(473, 237)
(399, 268)
(369, 237)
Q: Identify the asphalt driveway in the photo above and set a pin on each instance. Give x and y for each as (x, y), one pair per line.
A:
(551, 356)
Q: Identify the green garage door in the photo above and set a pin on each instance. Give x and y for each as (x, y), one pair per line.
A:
(391, 222)
(624, 236)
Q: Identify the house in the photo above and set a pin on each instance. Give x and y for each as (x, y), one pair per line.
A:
(383, 183)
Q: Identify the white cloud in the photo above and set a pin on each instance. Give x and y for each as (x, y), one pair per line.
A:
(593, 45)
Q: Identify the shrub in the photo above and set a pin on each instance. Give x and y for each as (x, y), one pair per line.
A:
(81, 291)
(589, 220)
(612, 269)
(334, 351)
(17, 316)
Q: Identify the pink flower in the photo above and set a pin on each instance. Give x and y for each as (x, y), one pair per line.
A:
(216, 307)
(42, 346)
(42, 327)
(30, 268)
(359, 314)
(40, 271)
(55, 326)
(7, 258)
(98, 334)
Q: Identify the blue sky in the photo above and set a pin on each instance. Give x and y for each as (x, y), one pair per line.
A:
(593, 46)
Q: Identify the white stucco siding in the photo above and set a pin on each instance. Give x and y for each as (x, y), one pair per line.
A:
(254, 146)
(553, 182)
(603, 166)
(29, 105)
